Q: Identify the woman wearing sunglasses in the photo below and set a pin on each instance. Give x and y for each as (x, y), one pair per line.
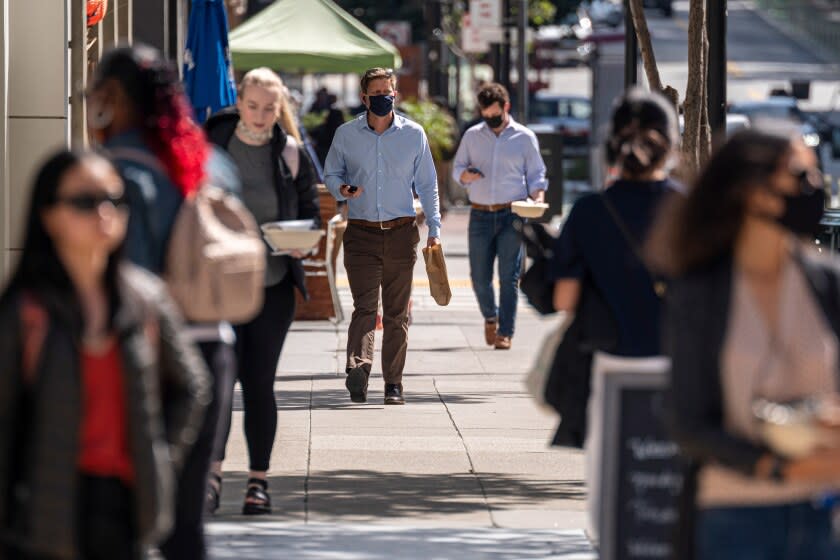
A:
(753, 317)
(88, 448)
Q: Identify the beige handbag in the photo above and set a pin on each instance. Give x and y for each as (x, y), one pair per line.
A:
(438, 278)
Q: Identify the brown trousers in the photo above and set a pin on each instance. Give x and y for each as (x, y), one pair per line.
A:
(375, 258)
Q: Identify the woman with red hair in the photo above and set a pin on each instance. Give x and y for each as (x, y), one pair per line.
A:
(138, 112)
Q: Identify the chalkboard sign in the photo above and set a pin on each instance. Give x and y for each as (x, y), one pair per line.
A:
(641, 477)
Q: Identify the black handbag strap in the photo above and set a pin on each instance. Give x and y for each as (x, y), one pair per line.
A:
(658, 284)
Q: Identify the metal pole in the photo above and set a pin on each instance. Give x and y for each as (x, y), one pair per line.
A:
(716, 29)
(522, 67)
(78, 73)
(504, 61)
(631, 49)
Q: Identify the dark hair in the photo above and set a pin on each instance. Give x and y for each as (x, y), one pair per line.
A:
(695, 231)
(153, 85)
(643, 131)
(40, 270)
(491, 93)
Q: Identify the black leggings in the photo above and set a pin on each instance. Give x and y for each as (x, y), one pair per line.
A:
(187, 538)
(258, 347)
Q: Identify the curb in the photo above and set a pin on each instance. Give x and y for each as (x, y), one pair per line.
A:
(795, 35)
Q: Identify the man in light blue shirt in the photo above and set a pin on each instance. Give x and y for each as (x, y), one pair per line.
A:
(498, 162)
(376, 163)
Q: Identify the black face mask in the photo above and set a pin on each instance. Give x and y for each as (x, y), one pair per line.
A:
(494, 121)
(804, 210)
(381, 105)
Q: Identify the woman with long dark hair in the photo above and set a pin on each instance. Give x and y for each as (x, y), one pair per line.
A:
(753, 314)
(88, 446)
(138, 112)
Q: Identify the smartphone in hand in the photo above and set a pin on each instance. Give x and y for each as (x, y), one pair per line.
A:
(475, 170)
(352, 188)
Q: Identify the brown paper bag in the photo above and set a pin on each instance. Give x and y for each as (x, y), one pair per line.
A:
(436, 270)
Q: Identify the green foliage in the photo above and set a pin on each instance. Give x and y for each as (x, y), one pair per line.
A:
(314, 119)
(439, 125)
(541, 12)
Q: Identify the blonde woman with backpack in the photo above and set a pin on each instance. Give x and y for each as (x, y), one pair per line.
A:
(279, 183)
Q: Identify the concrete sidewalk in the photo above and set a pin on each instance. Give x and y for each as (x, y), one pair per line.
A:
(462, 471)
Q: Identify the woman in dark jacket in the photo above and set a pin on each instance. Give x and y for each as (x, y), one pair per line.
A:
(88, 448)
(753, 315)
(278, 183)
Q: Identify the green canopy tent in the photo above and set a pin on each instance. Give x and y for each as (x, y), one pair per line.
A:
(309, 36)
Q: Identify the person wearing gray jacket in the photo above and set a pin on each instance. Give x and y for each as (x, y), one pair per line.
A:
(101, 393)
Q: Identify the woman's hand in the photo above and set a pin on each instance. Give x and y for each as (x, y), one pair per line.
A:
(566, 294)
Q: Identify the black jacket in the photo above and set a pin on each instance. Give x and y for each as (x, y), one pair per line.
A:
(167, 389)
(695, 326)
(297, 196)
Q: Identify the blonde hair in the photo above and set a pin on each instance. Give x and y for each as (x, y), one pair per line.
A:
(267, 79)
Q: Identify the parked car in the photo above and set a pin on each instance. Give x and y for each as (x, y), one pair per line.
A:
(666, 6)
(604, 12)
(570, 115)
(784, 108)
(734, 123)
(780, 107)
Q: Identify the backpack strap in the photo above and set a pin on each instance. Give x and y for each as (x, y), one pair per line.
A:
(291, 156)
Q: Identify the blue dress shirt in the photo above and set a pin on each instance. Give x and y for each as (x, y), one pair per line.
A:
(388, 166)
(511, 162)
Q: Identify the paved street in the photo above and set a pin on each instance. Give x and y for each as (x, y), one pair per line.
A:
(462, 471)
(761, 53)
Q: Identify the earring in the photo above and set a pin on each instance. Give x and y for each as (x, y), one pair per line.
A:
(101, 118)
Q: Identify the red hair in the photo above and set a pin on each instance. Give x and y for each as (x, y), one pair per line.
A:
(177, 140)
(165, 115)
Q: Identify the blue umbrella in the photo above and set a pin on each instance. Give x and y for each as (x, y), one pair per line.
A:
(208, 72)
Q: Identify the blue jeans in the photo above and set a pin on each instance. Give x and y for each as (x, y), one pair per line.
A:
(491, 236)
(786, 532)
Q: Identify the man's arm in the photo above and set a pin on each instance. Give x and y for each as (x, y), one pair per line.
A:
(425, 183)
(335, 167)
(535, 170)
(462, 160)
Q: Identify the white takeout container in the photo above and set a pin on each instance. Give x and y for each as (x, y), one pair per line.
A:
(792, 430)
(293, 235)
(529, 208)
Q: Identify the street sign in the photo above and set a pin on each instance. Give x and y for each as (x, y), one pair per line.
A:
(472, 40)
(486, 13)
(640, 474)
(398, 33)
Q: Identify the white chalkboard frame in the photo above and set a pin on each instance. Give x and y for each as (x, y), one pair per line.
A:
(614, 383)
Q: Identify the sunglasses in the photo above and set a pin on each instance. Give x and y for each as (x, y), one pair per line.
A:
(89, 203)
(810, 180)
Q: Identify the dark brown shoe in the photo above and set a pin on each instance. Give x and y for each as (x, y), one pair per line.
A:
(502, 342)
(490, 328)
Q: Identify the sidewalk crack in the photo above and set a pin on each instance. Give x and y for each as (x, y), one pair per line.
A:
(308, 456)
(473, 470)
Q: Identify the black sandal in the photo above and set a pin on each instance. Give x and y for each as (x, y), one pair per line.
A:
(213, 496)
(257, 500)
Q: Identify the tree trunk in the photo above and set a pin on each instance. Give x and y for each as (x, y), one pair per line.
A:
(694, 95)
(637, 10)
(645, 44)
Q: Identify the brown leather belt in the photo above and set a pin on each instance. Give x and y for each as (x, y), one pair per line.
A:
(491, 207)
(390, 224)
